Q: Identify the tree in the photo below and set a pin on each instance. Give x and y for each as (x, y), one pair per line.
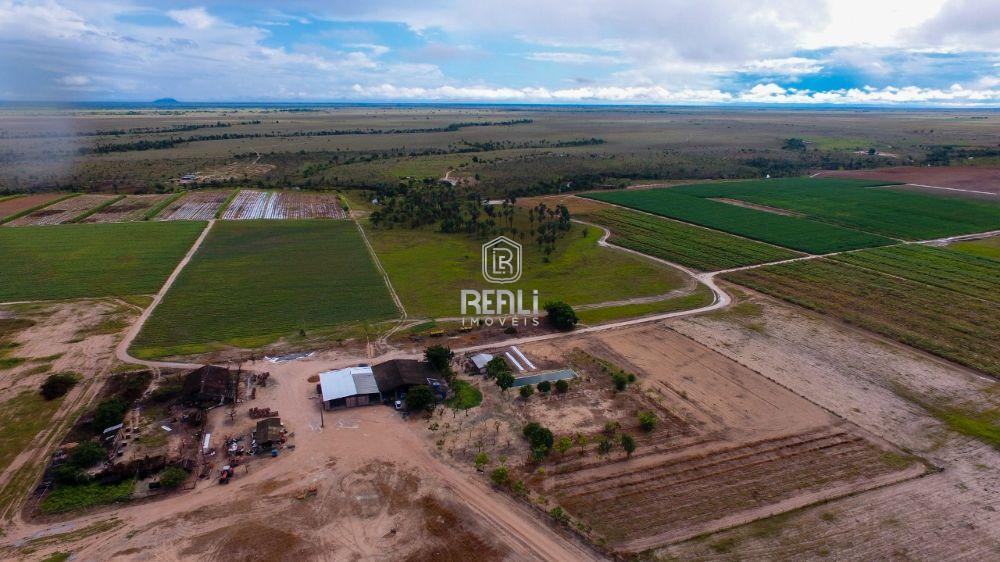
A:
(420, 397)
(620, 381)
(108, 413)
(562, 386)
(648, 421)
(558, 514)
(605, 446)
(172, 477)
(505, 380)
(628, 443)
(526, 391)
(482, 459)
(57, 385)
(561, 315)
(540, 438)
(86, 455)
(496, 366)
(544, 386)
(564, 444)
(439, 357)
(794, 144)
(500, 476)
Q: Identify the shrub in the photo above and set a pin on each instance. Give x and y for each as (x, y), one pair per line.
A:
(628, 444)
(482, 459)
(545, 386)
(86, 455)
(439, 357)
(500, 476)
(526, 391)
(620, 381)
(67, 474)
(420, 397)
(562, 386)
(558, 514)
(564, 444)
(611, 427)
(648, 421)
(108, 413)
(58, 385)
(172, 477)
(505, 380)
(540, 438)
(605, 446)
(561, 315)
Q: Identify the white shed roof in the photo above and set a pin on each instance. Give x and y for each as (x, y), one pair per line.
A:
(480, 360)
(347, 382)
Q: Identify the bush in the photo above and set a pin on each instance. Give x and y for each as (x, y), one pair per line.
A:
(561, 315)
(620, 381)
(420, 397)
(58, 385)
(526, 391)
(562, 386)
(605, 446)
(558, 514)
(544, 386)
(500, 476)
(439, 357)
(70, 475)
(540, 438)
(172, 477)
(482, 459)
(628, 444)
(86, 455)
(648, 421)
(108, 413)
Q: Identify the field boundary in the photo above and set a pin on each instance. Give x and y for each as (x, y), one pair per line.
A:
(225, 204)
(158, 208)
(82, 216)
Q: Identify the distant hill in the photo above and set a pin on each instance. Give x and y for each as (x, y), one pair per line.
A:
(166, 101)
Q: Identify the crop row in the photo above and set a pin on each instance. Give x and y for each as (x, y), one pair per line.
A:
(944, 322)
(852, 203)
(791, 232)
(684, 244)
(963, 273)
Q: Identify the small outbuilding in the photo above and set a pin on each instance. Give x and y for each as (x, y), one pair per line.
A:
(479, 362)
(398, 375)
(347, 388)
(209, 385)
(268, 432)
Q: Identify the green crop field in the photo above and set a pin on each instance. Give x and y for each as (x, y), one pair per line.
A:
(797, 233)
(90, 260)
(852, 203)
(985, 248)
(254, 282)
(971, 275)
(948, 323)
(429, 269)
(692, 246)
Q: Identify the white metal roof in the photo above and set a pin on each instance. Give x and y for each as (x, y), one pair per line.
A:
(347, 382)
(480, 360)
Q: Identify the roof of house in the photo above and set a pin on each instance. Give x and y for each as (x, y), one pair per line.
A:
(208, 379)
(481, 359)
(397, 373)
(268, 430)
(347, 382)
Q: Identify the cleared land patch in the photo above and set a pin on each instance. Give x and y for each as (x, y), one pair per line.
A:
(131, 208)
(18, 204)
(250, 204)
(90, 260)
(61, 211)
(254, 282)
(851, 203)
(796, 233)
(429, 269)
(195, 205)
(684, 244)
(942, 321)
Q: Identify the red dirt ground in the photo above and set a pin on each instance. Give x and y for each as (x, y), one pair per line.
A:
(957, 177)
(18, 204)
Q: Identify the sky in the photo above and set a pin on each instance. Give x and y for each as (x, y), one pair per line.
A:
(850, 52)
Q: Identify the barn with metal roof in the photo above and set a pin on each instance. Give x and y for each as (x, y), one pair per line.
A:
(347, 388)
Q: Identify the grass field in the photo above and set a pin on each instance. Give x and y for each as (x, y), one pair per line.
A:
(948, 323)
(254, 282)
(850, 203)
(692, 246)
(971, 275)
(985, 248)
(429, 269)
(797, 233)
(70, 498)
(22, 417)
(701, 296)
(90, 260)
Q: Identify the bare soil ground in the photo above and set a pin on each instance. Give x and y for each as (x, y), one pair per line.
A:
(133, 207)
(18, 204)
(196, 205)
(235, 170)
(62, 211)
(958, 177)
(251, 204)
(951, 514)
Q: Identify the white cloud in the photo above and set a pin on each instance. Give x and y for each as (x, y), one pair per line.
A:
(74, 80)
(573, 58)
(196, 18)
(790, 66)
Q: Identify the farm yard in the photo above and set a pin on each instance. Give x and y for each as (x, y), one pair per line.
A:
(252, 283)
(726, 445)
(195, 205)
(684, 244)
(429, 269)
(130, 208)
(907, 303)
(91, 260)
(62, 211)
(249, 204)
(855, 204)
(797, 233)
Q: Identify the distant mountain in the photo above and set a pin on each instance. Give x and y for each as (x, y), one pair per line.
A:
(166, 101)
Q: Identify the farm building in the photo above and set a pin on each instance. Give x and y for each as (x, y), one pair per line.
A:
(479, 362)
(347, 388)
(398, 375)
(269, 432)
(209, 385)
